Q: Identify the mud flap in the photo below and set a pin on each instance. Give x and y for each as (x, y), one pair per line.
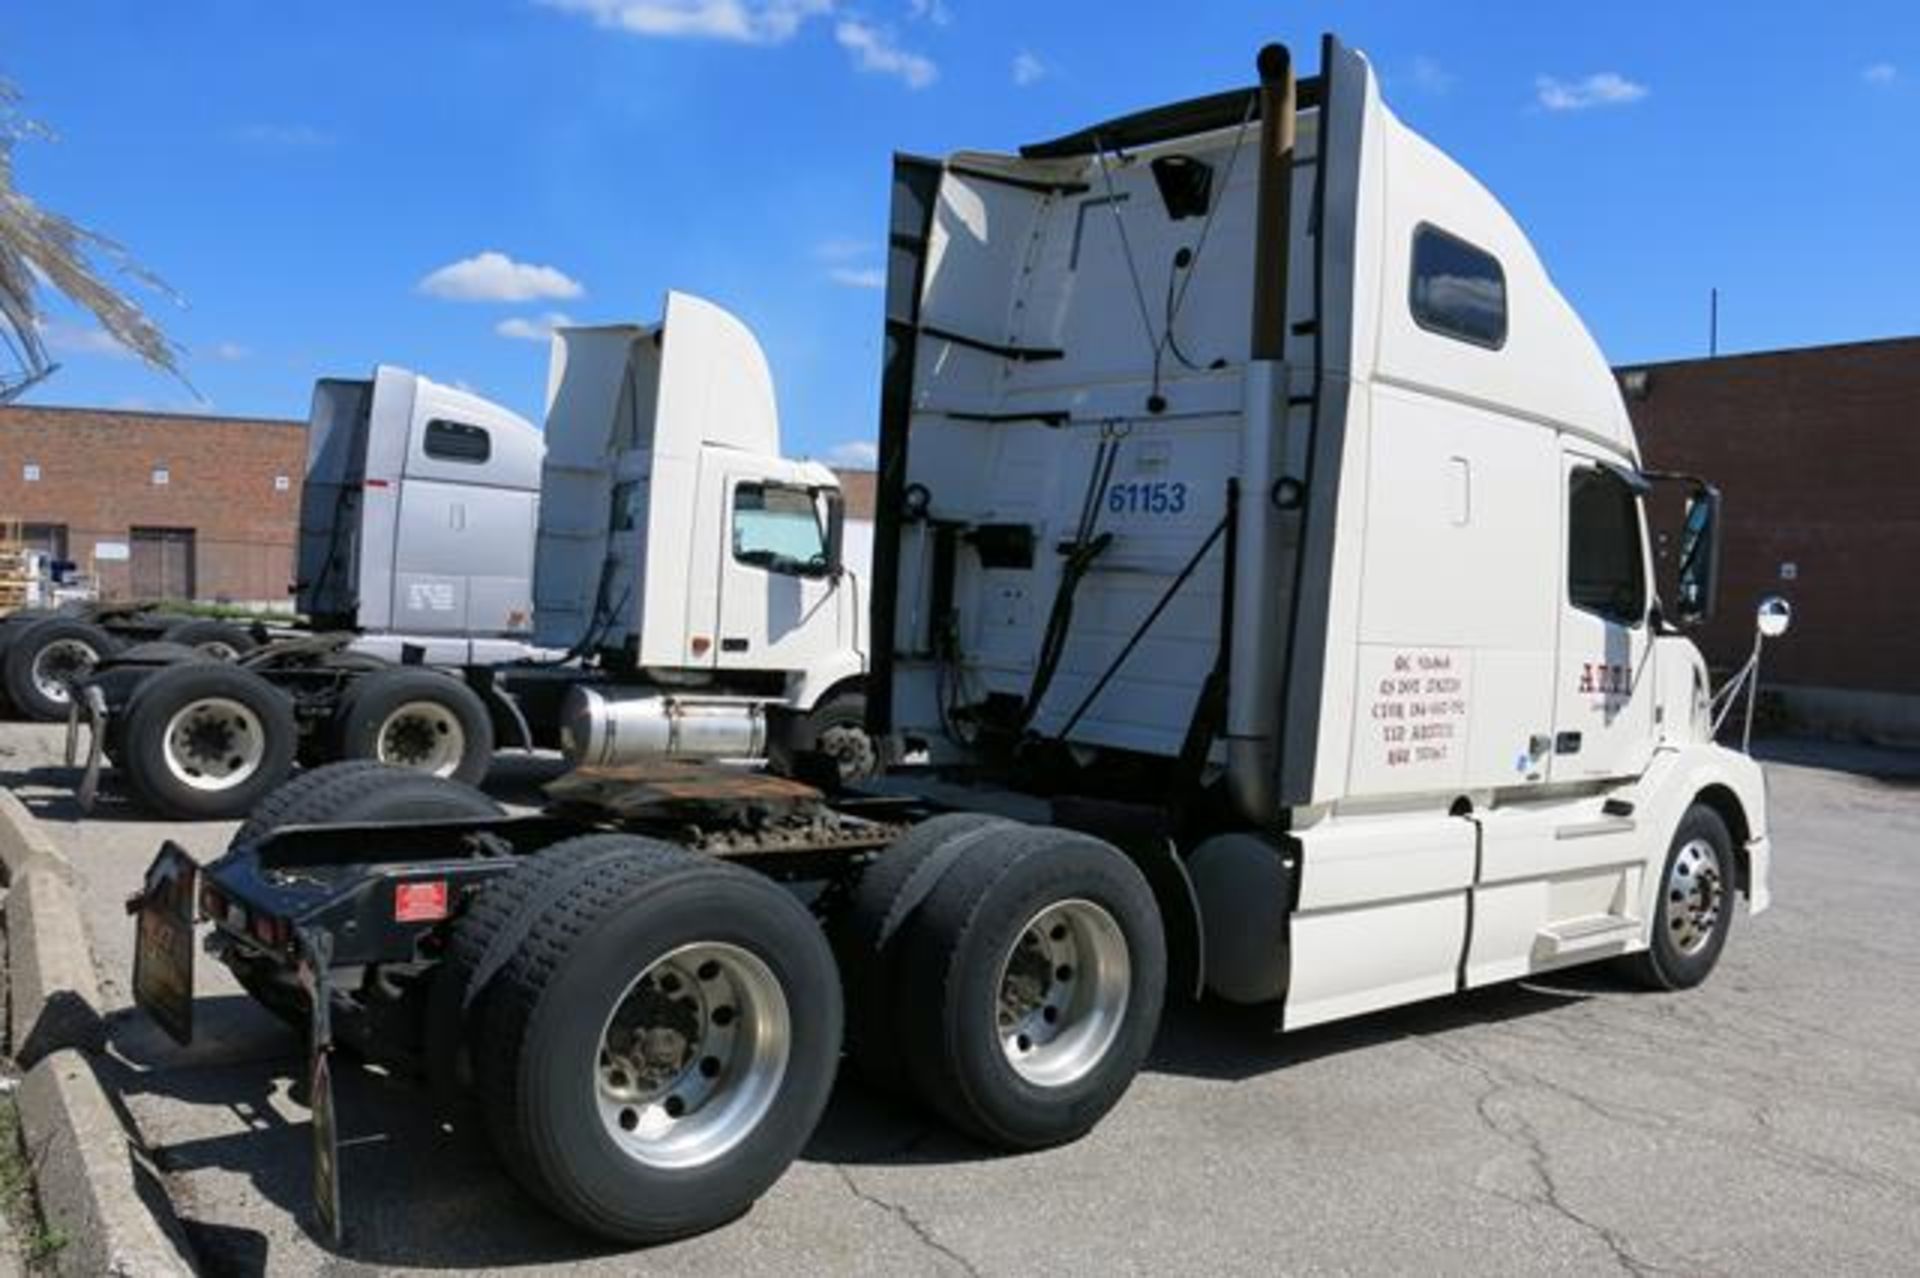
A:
(91, 706)
(316, 957)
(163, 942)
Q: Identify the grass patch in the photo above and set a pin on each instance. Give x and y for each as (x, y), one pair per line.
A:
(39, 1242)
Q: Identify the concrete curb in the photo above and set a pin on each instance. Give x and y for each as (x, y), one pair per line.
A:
(55, 994)
(96, 1187)
(94, 1182)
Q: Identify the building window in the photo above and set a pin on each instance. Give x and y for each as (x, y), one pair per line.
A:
(1606, 571)
(161, 477)
(50, 538)
(778, 529)
(281, 483)
(457, 441)
(1458, 291)
(30, 473)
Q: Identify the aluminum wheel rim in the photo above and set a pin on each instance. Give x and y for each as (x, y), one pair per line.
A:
(1063, 993)
(58, 664)
(215, 743)
(692, 1056)
(423, 735)
(1696, 893)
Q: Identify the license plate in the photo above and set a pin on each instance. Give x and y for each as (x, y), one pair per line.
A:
(163, 943)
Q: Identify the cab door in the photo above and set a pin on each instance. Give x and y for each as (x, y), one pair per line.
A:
(778, 609)
(1605, 689)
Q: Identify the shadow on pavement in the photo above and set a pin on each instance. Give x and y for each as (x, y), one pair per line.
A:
(421, 1185)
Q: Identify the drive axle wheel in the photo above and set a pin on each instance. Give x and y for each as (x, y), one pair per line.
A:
(206, 740)
(691, 1059)
(214, 744)
(1031, 987)
(420, 719)
(423, 735)
(46, 658)
(1063, 993)
(660, 1039)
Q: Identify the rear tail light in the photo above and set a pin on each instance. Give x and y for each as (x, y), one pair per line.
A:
(270, 931)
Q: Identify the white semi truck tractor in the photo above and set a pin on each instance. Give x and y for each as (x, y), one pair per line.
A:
(688, 593)
(1262, 572)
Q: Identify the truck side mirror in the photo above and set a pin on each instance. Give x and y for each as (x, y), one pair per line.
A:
(1683, 512)
(836, 529)
(1774, 616)
(1696, 580)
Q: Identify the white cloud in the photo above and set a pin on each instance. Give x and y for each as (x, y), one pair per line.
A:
(229, 352)
(80, 339)
(494, 277)
(1430, 77)
(842, 248)
(532, 328)
(741, 21)
(934, 11)
(859, 276)
(1880, 74)
(1603, 88)
(1028, 69)
(874, 50)
(857, 453)
(291, 136)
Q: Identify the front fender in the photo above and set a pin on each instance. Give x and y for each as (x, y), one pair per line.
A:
(1726, 780)
(807, 688)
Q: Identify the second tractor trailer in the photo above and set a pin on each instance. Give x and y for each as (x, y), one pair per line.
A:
(1263, 571)
(689, 592)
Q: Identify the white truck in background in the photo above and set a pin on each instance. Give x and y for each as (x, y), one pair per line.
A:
(1295, 639)
(417, 519)
(657, 581)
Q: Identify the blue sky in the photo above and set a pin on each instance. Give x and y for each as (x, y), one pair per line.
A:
(333, 184)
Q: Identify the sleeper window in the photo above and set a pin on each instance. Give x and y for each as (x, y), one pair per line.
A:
(457, 441)
(1458, 291)
(777, 528)
(1606, 573)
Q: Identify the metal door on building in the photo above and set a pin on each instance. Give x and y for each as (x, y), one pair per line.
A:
(162, 563)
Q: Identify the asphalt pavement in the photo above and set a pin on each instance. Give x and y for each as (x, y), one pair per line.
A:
(1768, 1122)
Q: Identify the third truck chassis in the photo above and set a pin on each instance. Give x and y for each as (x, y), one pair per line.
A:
(1120, 597)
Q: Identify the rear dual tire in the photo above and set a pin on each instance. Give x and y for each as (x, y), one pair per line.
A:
(43, 660)
(1022, 991)
(660, 1040)
(416, 718)
(206, 741)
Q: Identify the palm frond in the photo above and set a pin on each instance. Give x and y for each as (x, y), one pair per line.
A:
(39, 246)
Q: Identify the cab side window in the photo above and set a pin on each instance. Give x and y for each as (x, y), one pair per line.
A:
(1458, 291)
(1606, 571)
(457, 441)
(778, 529)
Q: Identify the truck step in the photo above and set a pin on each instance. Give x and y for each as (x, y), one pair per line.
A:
(1587, 933)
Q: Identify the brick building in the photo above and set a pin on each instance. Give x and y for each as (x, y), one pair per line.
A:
(158, 505)
(1817, 454)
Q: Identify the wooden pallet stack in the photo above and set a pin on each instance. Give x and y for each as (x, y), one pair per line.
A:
(16, 567)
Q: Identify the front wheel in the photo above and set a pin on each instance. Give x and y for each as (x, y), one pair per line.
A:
(835, 729)
(660, 1044)
(1695, 908)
